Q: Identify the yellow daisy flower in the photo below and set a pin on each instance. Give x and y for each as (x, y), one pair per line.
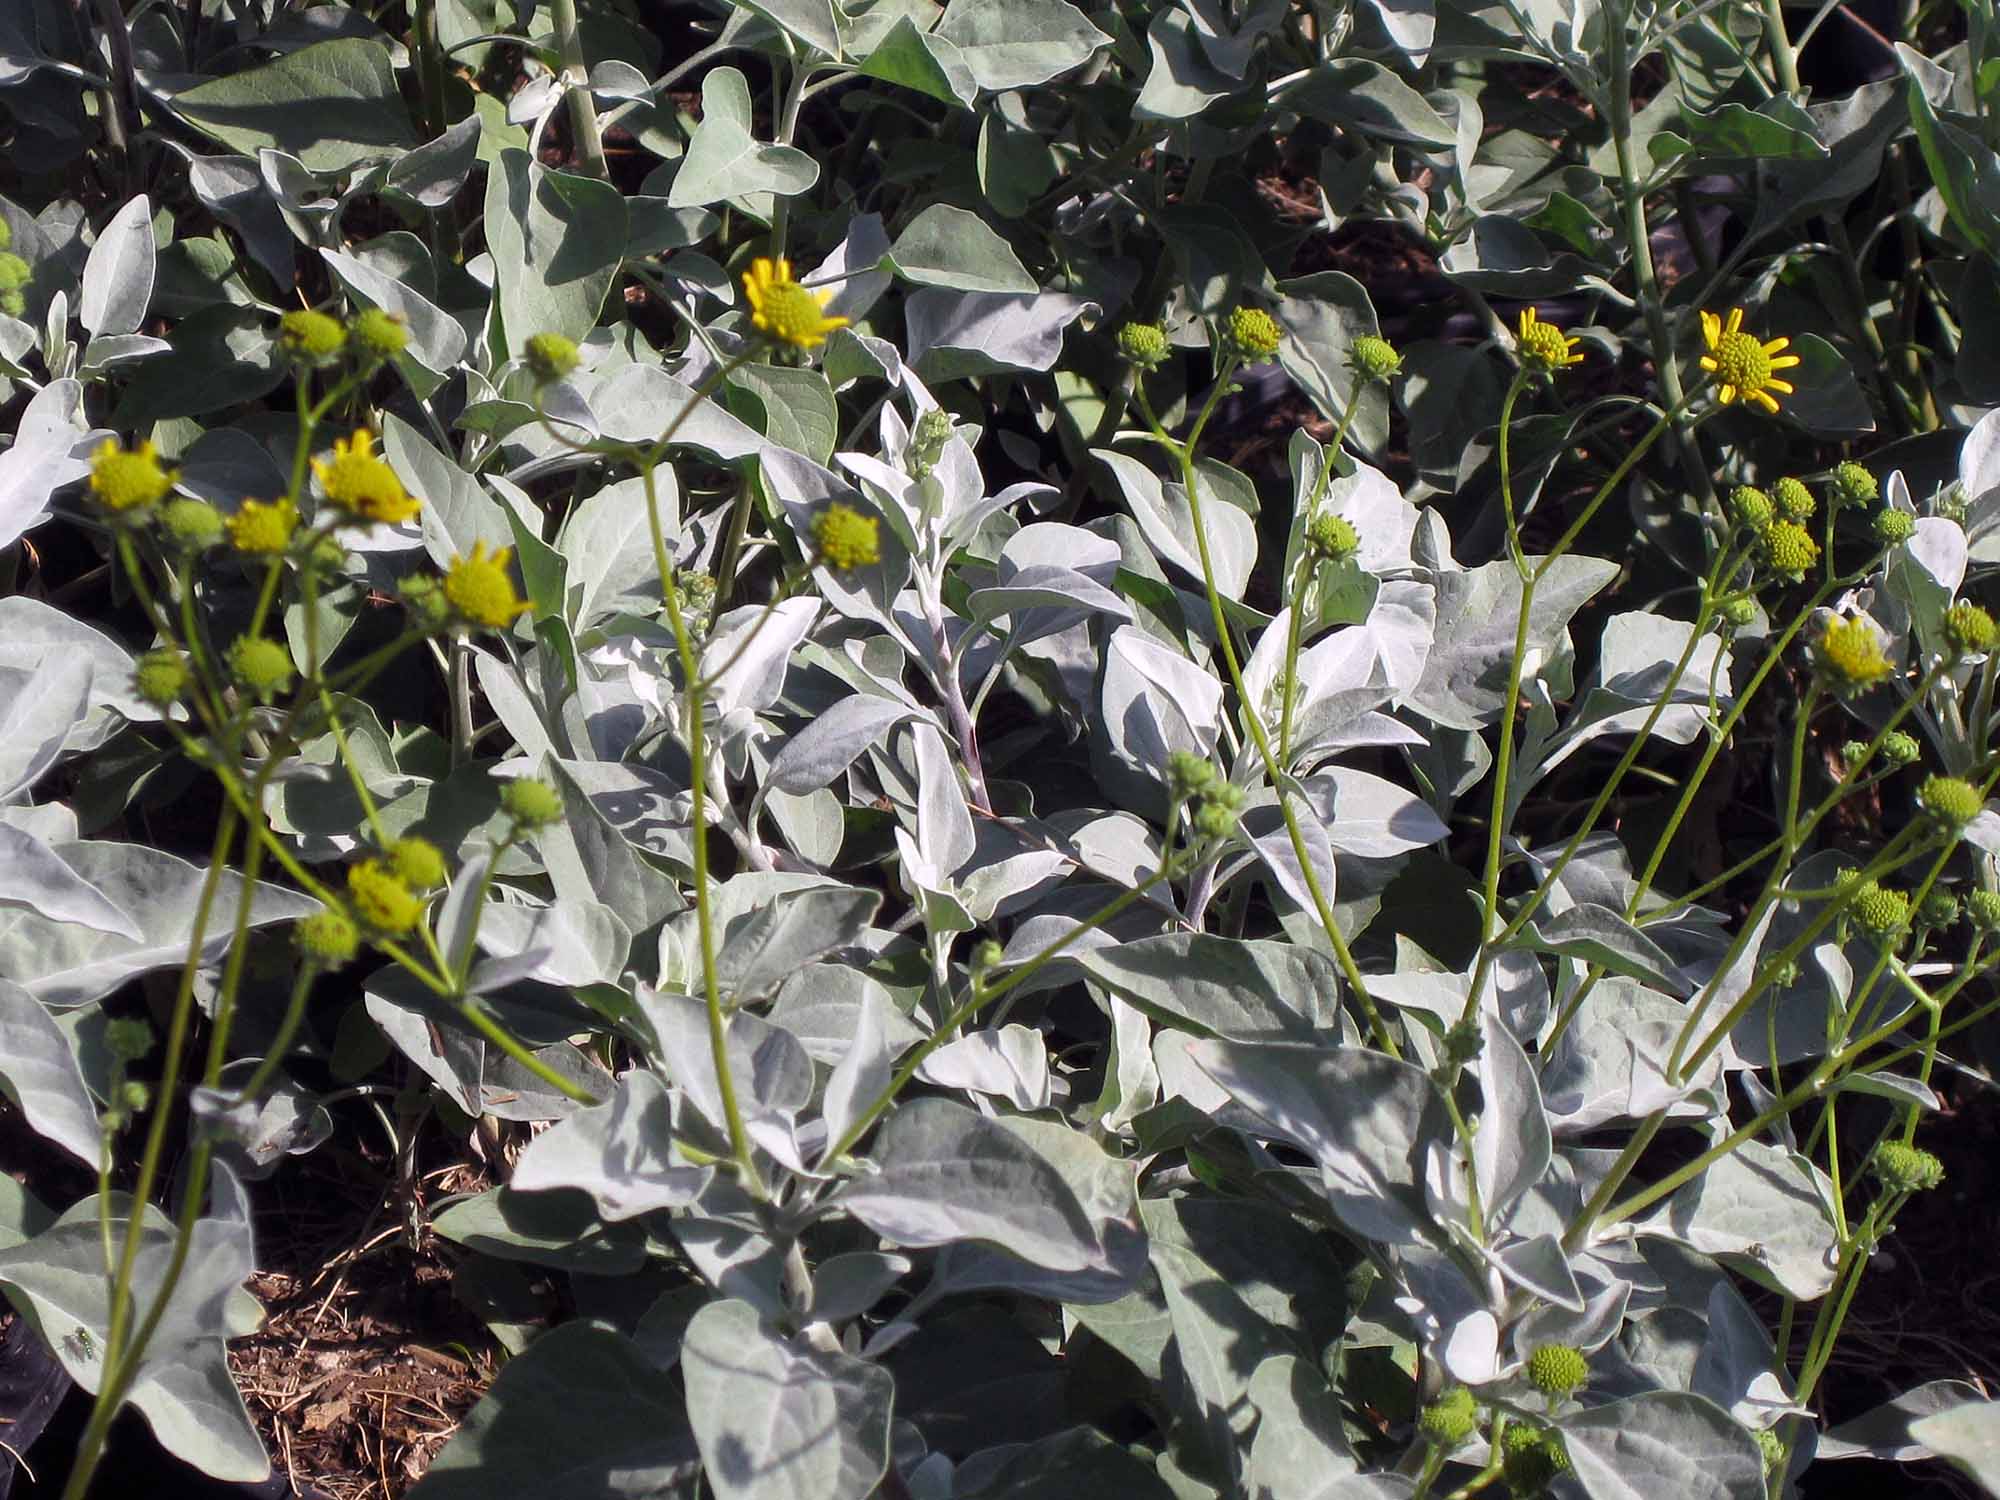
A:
(480, 588)
(781, 307)
(1544, 346)
(1743, 366)
(362, 484)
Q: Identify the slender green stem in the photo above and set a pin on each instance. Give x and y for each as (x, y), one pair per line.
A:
(589, 139)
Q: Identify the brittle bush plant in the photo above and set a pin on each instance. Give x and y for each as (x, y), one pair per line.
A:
(1025, 920)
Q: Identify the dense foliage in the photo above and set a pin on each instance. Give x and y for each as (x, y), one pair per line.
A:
(710, 601)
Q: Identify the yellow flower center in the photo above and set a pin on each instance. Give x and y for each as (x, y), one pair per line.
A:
(1741, 361)
(480, 588)
(1544, 345)
(791, 313)
(1852, 655)
(846, 538)
(125, 479)
(362, 484)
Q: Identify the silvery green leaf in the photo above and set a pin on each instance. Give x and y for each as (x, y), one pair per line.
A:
(1216, 986)
(64, 965)
(956, 335)
(1763, 1212)
(1969, 1436)
(846, 1286)
(576, 942)
(1080, 1461)
(1885, 1432)
(581, 1415)
(1735, 1369)
(254, 1135)
(1663, 1443)
(1359, 1114)
(1010, 1063)
(943, 1174)
(1218, 1342)
(1367, 816)
(1541, 1266)
(118, 277)
(1008, 44)
(46, 709)
(1365, 96)
(1156, 701)
(865, 1068)
(824, 1006)
(1465, 676)
(1923, 574)
(50, 449)
(915, 58)
(1322, 315)
(507, 693)
(746, 655)
(1636, 653)
(950, 247)
(39, 1072)
(608, 544)
(1610, 1063)
(1598, 935)
(333, 105)
(435, 171)
(771, 1071)
(1512, 1148)
(183, 1386)
(619, 1152)
(110, 350)
(457, 513)
(437, 340)
(557, 240)
(724, 160)
(1301, 1440)
(779, 1421)
(1181, 81)
(34, 876)
(944, 839)
(559, 1229)
(590, 858)
(828, 744)
(794, 407)
(757, 951)
(1161, 509)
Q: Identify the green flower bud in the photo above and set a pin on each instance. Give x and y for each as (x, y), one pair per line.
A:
(1899, 749)
(1332, 537)
(1251, 335)
(1951, 802)
(1854, 484)
(1213, 820)
(927, 439)
(1751, 507)
(377, 335)
(1879, 912)
(1144, 345)
(986, 956)
(261, 665)
(1794, 499)
(1449, 1420)
(127, 1038)
(191, 525)
(1557, 1369)
(1738, 613)
(1374, 359)
(1893, 527)
(1951, 502)
(424, 597)
(160, 677)
(1903, 1168)
(1789, 549)
(1530, 1457)
(551, 356)
(381, 899)
(1968, 628)
(15, 273)
(531, 802)
(1188, 774)
(417, 863)
(133, 1097)
(328, 937)
(1771, 1446)
(1983, 907)
(311, 337)
(1940, 908)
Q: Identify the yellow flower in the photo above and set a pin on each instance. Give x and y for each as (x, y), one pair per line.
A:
(381, 899)
(363, 485)
(1851, 656)
(788, 312)
(1251, 334)
(1544, 346)
(263, 529)
(480, 588)
(1741, 365)
(845, 538)
(125, 479)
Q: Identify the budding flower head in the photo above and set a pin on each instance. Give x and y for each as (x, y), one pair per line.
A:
(1332, 537)
(481, 590)
(377, 334)
(987, 955)
(551, 357)
(311, 338)
(1188, 774)
(260, 664)
(160, 677)
(844, 538)
(1251, 335)
(1940, 909)
(263, 528)
(1983, 907)
(381, 899)
(1899, 749)
(531, 802)
(928, 435)
(1449, 1420)
(1893, 527)
(1530, 1457)
(123, 480)
(1144, 345)
(1952, 802)
(1853, 484)
(328, 937)
(1794, 499)
(1557, 1369)
(15, 274)
(1752, 508)
(1544, 348)
(127, 1038)
(1951, 502)
(1374, 358)
(1789, 549)
(423, 596)
(418, 863)
(1849, 655)
(1969, 628)
(1880, 912)
(1738, 613)
(1904, 1168)
(1771, 1446)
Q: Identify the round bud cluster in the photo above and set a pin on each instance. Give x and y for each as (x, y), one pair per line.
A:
(1251, 335)
(1853, 484)
(1144, 345)
(1893, 527)
(1374, 359)
(191, 525)
(1899, 749)
(928, 435)
(1794, 499)
(1951, 802)
(15, 274)
(418, 863)
(160, 677)
(1903, 1168)
(1530, 1457)
(328, 937)
(311, 338)
(1983, 907)
(1188, 775)
(1968, 628)
(1771, 1446)
(551, 356)
(531, 803)
(1951, 502)
(1789, 549)
(1557, 1369)
(260, 664)
(1332, 537)
(1449, 1420)
(1751, 507)
(1940, 909)
(1879, 911)
(378, 335)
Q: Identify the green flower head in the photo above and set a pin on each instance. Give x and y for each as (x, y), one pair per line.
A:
(1449, 1420)
(551, 356)
(1879, 911)
(1789, 549)
(125, 480)
(260, 664)
(191, 525)
(1738, 613)
(1904, 1168)
(1899, 749)
(1189, 775)
(381, 899)
(416, 862)
(310, 337)
(1332, 537)
(1374, 359)
(1557, 1369)
(1751, 507)
(377, 334)
(1251, 335)
(1893, 527)
(531, 802)
(1983, 907)
(1941, 908)
(1144, 345)
(160, 677)
(1951, 802)
(843, 538)
(328, 938)
(1530, 1457)
(1969, 629)
(1853, 484)
(1849, 655)
(1794, 499)
(15, 273)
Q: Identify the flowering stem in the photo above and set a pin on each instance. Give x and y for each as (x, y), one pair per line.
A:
(1308, 566)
